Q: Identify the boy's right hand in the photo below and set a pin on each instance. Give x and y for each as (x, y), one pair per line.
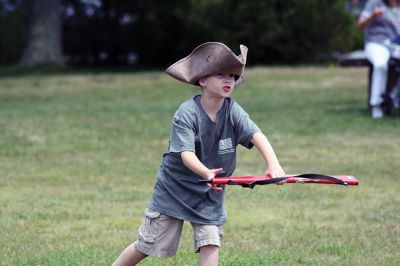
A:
(213, 173)
(191, 161)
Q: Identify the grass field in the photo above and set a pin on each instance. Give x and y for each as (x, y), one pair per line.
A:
(79, 155)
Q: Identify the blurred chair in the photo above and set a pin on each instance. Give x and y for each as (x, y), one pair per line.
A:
(358, 59)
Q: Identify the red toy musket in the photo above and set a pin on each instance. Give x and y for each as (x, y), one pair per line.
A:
(251, 181)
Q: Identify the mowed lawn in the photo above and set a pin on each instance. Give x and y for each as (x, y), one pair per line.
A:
(79, 154)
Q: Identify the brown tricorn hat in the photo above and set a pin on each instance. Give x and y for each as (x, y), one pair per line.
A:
(208, 59)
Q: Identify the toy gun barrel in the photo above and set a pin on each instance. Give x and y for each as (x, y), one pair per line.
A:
(251, 181)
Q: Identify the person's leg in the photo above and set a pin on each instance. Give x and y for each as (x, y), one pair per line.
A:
(207, 241)
(209, 255)
(395, 95)
(158, 236)
(379, 57)
(130, 256)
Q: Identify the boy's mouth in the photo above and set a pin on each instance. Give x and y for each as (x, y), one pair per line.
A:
(227, 88)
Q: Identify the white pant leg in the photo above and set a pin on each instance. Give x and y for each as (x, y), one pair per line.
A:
(379, 56)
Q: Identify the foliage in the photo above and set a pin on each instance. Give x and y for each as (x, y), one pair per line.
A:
(12, 33)
(79, 153)
(149, 33)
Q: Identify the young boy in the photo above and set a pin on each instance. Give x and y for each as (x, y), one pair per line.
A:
(205, 132)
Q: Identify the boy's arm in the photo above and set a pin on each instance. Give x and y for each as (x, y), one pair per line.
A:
(191, 161)
(262, 144)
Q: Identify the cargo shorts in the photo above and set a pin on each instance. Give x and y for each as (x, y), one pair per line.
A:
(159, 235)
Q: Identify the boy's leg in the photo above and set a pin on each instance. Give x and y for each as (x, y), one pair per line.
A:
(209, 255)
(130, 256)
(207, 240)
(158, 236)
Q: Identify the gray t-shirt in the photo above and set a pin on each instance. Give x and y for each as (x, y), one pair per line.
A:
(385, 27)
(177, 192)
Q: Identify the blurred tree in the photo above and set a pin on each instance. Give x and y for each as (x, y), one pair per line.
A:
(12, 30)
(315, 28)
(160, 30)
(256, 24)
(99, 32)
(152, 33)
(44, 34)
(293, 31)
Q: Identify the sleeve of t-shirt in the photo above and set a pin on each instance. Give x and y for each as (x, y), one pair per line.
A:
(183, 131)
(245, 128)
(369, 8)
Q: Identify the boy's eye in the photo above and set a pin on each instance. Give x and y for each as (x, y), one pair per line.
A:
(220, 75)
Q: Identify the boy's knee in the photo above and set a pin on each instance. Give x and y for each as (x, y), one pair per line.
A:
(207, 236)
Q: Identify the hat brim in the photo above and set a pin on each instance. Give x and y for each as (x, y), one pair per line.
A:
(208, 59)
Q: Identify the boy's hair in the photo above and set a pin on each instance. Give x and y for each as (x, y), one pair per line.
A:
(208, 59)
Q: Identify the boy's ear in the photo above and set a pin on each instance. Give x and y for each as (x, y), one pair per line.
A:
(202, 82)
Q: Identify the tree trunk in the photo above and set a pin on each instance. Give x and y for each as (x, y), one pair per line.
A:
(44, 34)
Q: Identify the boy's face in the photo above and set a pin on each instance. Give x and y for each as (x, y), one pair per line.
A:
(218, 85)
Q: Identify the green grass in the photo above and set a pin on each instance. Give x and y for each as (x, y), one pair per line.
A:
(79, 155)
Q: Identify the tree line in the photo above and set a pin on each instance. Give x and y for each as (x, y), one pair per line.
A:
(151, 33)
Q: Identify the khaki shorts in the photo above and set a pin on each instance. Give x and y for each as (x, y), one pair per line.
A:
(159, 235)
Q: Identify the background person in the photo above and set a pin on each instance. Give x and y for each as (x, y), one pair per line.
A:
(380, 20)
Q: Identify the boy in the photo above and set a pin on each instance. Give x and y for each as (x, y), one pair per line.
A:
(205, 132)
